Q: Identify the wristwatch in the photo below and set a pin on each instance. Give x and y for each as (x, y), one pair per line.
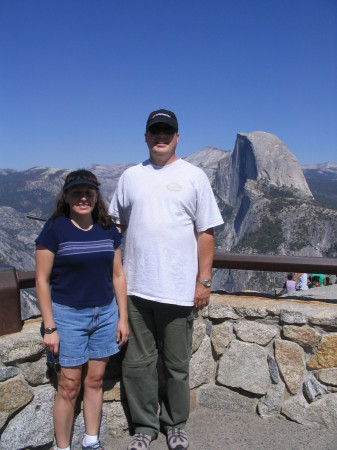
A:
(206, 283)
(50, 330)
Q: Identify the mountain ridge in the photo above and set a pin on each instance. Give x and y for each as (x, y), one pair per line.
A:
(267, 204)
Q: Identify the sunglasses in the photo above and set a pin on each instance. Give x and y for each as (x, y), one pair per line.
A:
(78, 193)
(57, 365)
(161, 130)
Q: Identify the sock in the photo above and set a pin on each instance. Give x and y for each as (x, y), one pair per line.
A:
(88, 440)
(59, 448)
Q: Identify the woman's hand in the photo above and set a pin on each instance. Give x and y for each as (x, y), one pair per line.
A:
(51, 342)
(122, 332)
(119, 284)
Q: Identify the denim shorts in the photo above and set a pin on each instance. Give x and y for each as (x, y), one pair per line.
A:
(85, 333)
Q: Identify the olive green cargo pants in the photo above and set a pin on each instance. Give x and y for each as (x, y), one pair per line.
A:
(168, 328)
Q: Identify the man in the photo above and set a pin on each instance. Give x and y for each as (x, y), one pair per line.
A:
(168, 208)
(302, 281)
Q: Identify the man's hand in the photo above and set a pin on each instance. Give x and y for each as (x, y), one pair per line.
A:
(201, 296)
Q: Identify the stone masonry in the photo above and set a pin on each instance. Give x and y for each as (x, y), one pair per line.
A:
(250, 354)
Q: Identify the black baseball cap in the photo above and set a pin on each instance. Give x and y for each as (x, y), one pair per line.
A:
(162, 116)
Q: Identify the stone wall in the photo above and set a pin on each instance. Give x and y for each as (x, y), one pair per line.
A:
(250, 353)
(269, 356)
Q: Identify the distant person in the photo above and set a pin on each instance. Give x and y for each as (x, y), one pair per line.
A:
(315, 282)
(169, 209)
(288, 286)
(290, 283)
(321, 278)
(302, 282)
(78, 250)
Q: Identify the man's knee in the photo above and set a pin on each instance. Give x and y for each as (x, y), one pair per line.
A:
(177, 371)
(144, 364)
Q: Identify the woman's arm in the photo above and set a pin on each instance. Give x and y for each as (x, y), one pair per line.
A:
(119, 284)
(44, 264)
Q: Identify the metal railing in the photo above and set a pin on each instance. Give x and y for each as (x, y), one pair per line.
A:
(11, 280)
(26, 279)
(265, 263)
(274, 263)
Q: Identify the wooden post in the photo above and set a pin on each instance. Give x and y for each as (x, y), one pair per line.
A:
(10, 307)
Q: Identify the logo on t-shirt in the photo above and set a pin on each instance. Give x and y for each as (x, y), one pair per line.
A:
(174, 187)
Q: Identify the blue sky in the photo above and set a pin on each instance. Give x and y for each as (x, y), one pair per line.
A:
(78, 78)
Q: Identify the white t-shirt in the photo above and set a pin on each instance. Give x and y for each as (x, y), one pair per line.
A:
(163, 207)
(303, 282)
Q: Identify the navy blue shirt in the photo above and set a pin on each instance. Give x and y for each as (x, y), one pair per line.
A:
(82, 269)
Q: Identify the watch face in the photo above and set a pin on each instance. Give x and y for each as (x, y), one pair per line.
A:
(49, 330)
(206, 283)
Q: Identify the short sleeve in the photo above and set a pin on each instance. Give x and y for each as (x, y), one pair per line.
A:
(118, 202)
(208, 214)
(117, 237)
(48, 236)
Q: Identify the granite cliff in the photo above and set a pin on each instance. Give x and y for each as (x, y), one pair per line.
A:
(267, 207)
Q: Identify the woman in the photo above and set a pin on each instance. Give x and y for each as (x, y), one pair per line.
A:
(290, 283)
(288, 286)
(78, 253)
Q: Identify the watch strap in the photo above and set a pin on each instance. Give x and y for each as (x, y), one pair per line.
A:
(206, 283)
(50, 330)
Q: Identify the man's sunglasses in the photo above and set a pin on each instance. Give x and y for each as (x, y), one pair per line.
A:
(161, 130)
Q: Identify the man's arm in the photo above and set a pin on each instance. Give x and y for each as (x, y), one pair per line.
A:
(297, 276)
(205, 261)
(121, 228)
(116, 208)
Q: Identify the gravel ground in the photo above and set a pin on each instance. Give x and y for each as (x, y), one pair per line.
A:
(214, 430)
